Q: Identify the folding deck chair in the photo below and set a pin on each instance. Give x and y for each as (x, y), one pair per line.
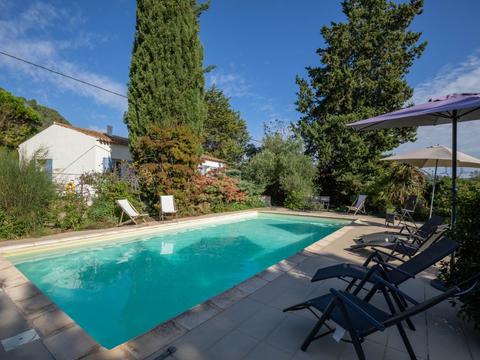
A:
(361, 319)
(358, 206)
(130, 211)
(167, 206)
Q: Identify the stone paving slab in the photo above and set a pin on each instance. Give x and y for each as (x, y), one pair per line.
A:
(73, 343)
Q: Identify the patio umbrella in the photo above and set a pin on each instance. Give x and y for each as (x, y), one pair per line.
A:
(449, 109)
(434, 156)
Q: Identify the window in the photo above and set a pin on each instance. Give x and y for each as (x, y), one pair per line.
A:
(46, 165)
(107, 164)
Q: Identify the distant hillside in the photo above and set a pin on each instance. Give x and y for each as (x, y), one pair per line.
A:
(21, 118)
(47, 115)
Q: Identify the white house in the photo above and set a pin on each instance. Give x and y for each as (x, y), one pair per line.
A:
(68, 152)
(210, 163)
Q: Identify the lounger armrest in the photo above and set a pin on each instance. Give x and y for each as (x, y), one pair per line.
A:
(358, 309)
(393, 268)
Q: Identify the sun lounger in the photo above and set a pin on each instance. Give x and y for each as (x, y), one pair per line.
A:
(358, 206)
(131, 212)
(398, 248)
(361, 319)
(418, 235)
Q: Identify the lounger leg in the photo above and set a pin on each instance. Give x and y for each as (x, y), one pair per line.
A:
(410, 351)
(121, 219)
(402, 305)
(358, 346)
(317, 326)
(353, 335)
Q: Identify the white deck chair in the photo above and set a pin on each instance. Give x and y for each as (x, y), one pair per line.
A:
(358, 206)
(130, 211)
(167, 206)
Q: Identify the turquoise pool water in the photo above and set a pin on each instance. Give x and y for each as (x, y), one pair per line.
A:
(117, 291)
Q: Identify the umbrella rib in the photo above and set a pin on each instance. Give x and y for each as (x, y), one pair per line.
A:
(470, 111)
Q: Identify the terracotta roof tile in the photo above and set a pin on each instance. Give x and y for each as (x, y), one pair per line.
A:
(110, 139)
(212, 158)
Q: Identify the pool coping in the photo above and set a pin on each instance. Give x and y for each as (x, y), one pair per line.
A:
(56, 328)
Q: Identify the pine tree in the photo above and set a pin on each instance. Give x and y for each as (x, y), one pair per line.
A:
(225, 132)
(362, 74)
(166, 74)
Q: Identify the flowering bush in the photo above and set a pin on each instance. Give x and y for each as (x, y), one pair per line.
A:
(215, 190)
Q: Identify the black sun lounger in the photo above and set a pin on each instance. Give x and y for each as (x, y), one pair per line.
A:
(400, 249)
(360, 319)
(360, 275)
(394, 274)
(414, 236)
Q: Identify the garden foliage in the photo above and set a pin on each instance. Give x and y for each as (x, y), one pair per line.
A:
(20, 119)
(467, 261)
(362, 73)
(167, 163)
(26, 193)
(166, 73)
(282, 169)
(225, 132)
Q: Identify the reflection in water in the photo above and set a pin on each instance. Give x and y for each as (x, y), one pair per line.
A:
(167, 248)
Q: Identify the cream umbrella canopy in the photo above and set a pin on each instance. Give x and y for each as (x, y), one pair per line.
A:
(434, 156)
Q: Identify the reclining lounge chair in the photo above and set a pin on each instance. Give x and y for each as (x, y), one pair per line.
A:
(399, 249)
(406, 233)
(361, 319)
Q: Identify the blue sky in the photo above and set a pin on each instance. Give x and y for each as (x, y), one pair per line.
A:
(257, 46)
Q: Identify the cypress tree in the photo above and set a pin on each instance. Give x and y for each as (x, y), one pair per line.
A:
(166, 74)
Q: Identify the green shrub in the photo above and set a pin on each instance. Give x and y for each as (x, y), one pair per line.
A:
(70, 211)
(26, 193)
(108, 188)
(391, 188)
(467, 262)
(282, 169)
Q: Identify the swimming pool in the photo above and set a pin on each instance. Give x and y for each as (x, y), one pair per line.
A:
(121, 289)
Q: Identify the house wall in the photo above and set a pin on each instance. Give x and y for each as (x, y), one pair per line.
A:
(121, 152)
(72, 152)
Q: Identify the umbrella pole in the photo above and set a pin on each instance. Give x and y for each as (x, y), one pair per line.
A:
(454, 168)
(433, 189)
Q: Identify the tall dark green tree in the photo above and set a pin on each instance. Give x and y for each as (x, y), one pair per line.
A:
(166, 74)
(225, 132)
(362, 73)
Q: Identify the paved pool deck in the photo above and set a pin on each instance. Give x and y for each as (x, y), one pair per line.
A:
(245, 322)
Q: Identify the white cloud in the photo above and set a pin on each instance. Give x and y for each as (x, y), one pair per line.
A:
(26, 35)
(232, 84)
(461, 78)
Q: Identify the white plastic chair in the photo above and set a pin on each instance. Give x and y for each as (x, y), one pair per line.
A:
(167, 206)
(130, 211)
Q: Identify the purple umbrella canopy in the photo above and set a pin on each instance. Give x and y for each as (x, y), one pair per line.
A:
(434, 112)
(449, 109)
